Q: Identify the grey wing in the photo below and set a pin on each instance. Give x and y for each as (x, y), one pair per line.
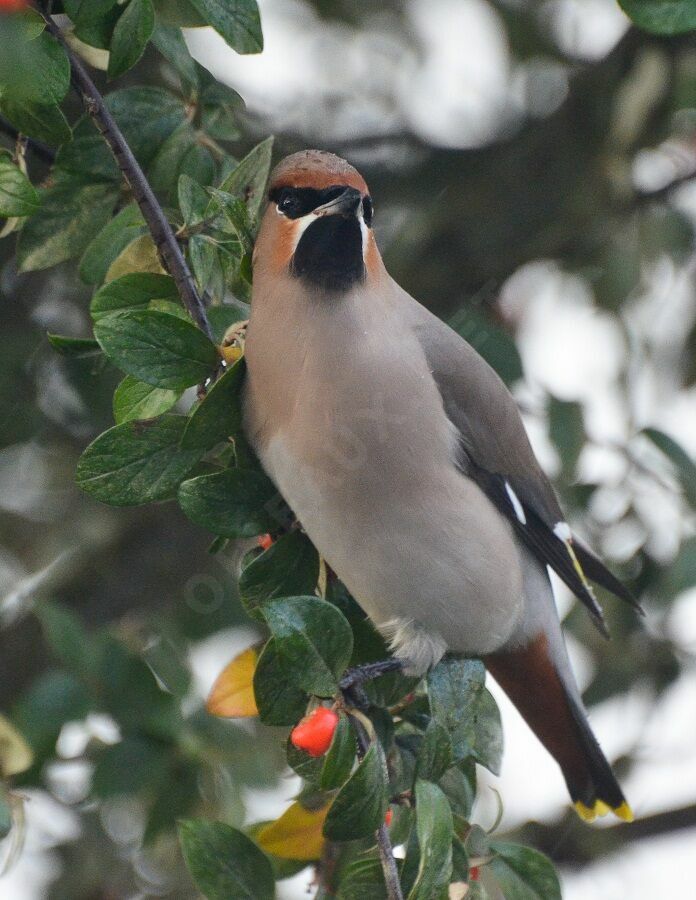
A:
(496, 453)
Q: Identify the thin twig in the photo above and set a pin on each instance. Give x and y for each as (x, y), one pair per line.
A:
(169, 251)
(40, 149)
(386, 853)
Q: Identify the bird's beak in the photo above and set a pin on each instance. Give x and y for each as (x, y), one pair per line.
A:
(347, 204)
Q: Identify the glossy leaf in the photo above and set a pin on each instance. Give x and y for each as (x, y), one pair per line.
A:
(435, 752)
(136, 462)
(232, 695)
(193, 200)
(361, 804)
(338, 762)
(42, 122)
(435, 829)
(297, 834)
(171, 44)
(363, 878)
(279, 702)
(248, 180)
(134, 399)
(108, 245)
(157, 348)
(523, 873)
(224, 862)
(17, 195)
(314, 642)
(219, 415)
(234, 503)
(77, 348)
(131, 36)
(461, 703)
(130, 292)
(661, 16)
(238, 22)
(289, 567)
(70, 214)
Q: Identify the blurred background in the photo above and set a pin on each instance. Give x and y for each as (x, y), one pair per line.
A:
(533, 168)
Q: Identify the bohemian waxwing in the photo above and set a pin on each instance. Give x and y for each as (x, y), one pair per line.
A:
(405, 459)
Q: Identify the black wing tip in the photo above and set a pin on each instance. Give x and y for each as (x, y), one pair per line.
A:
(596, 571)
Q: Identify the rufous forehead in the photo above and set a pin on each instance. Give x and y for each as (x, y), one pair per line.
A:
(320, 180)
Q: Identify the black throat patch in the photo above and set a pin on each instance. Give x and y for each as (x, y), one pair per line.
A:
(329, 254)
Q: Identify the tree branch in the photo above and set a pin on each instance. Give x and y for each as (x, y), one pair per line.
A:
(167, 247)
(386, 853)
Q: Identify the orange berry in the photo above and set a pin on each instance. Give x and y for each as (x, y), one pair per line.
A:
(265, 541)
(314, 733)
(389, 815)
(11, 6)
(474, 873)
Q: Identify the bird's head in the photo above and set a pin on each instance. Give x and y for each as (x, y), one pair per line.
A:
(318, 224)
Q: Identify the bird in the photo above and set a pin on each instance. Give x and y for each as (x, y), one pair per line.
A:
(405, 460)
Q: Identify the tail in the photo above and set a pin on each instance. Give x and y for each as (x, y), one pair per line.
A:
(530, 678)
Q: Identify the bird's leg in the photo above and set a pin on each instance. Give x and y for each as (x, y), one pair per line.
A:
(351, 684)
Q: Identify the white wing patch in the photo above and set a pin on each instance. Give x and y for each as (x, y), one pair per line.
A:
(516, 505)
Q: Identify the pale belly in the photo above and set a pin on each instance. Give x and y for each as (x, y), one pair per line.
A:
(430, 560)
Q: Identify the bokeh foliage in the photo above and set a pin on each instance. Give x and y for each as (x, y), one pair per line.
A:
(113, 623)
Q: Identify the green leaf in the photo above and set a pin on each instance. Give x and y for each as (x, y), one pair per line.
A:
(134, 399)
(33, 70)
(220, 106)
(147, 116)
(77, 348)
(158, 348)
(435, 829)
(52, 700)
(219, 415)
(66, 636)
(107, 246)
(248, 180)
(166, 167)
(289, 567)
(206, 265)
(235, 503)
(661, 16)
(131, 36)
(180, 13)
(361, 879)
(224, 862)
(313, 640)
(136, 462)
(130, 292)
(435, 753)
(129, 766)
(84, 12)
(338, 762)
(523, 873)
(43, 123)
(17, 195)
(70, 214)
(171, 44)
(361, 804)
(193, 201)
(237, 21)
(278, 701)
(567, 431)
(684, 465)
(460, 702)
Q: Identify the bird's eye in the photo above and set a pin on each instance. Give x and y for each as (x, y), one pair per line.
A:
(367, 211)
(289, 203)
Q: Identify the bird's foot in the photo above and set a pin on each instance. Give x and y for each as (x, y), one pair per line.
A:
(352, 683)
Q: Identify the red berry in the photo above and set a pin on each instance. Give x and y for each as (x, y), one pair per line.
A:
(314, 733)
(265, 540)
(389, 815)
(474, 873)
(9, 6)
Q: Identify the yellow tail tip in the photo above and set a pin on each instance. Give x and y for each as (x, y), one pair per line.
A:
(600, 808)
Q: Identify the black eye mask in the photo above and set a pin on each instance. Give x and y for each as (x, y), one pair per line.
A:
(297, 202)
